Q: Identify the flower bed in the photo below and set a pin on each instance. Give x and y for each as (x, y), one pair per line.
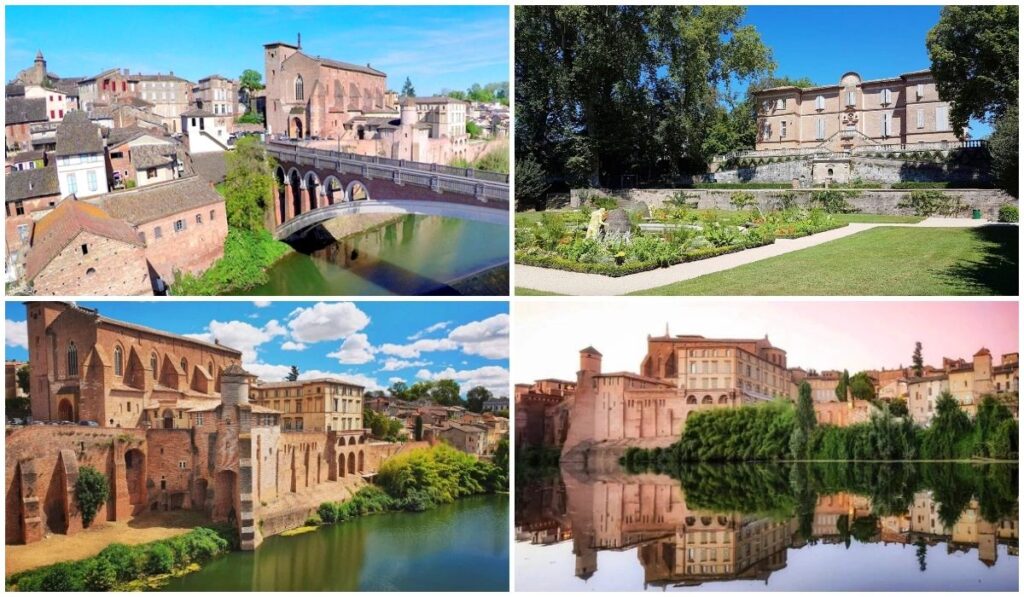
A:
(559, 241)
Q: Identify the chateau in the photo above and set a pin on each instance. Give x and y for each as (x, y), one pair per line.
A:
(176, 424)
(902, 110)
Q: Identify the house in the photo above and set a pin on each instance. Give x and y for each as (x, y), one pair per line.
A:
(139, 157)
(21, 113)
(81, 167)
(467, 438)
(25, 192)
(205, 131)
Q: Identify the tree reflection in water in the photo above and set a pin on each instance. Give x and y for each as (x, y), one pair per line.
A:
(706, 522)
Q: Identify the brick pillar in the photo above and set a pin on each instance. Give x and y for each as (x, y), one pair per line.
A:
(289, 202)
(68, 471)
(305, 198)
(31, 505)
(119, 506)
(277, 205)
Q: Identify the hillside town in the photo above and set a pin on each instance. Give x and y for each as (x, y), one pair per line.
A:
(108, 177)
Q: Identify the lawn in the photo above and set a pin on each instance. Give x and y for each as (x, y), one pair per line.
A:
(531, 292)
(876, 219)
(880, 261)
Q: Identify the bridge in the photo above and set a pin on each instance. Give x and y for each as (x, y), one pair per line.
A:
(316, 185)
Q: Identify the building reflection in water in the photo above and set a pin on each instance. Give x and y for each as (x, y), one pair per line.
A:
(681, 546)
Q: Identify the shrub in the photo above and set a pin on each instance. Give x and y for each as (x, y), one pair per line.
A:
(159, 559)
(930, 202)
(742, 200)
(833, 201)
(123, 559)
(100, 575)
(313, 521)
(247, 255)
(1008, 212)
(91, 492)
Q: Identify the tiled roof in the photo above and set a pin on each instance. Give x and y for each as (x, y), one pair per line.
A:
(347, 66)
(21, 110)
(77, 135)
(195, 111)
(119, 135)
(14, 90)
(27, 156)
(211, 166)
(438, 99)
(145, 204)
(54, 231)
(26, 184)
(153, 156)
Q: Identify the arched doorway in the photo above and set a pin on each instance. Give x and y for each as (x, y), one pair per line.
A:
(297, 127)
(341, 466)
(352, 462)
(65, 410)
(168, 420)
(333, 191)
(135, 475)
(362, 463)
(296, 185)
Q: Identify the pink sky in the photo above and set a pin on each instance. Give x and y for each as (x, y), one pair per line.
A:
(823, 334)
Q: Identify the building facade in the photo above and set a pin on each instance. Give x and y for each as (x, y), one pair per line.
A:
(80, 157)
(217, 94)
(313, 404)
(967, 381)
(169, 95)
(902, 110)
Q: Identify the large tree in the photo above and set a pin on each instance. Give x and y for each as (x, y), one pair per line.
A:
(407, 89)
(248, 185)
(918, 359)
(250, 82)
(608, 91)
(476, 397)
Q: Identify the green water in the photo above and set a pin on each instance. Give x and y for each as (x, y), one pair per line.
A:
(413, 255)
(457, 547)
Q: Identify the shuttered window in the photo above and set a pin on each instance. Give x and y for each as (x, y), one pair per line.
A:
(942, 118)
(851, 98)
(821, 128)
(819, 102)
(920, 118)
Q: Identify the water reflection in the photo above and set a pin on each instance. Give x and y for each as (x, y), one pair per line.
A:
(776, 527)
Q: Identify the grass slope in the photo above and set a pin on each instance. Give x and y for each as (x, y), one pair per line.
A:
(880, 261)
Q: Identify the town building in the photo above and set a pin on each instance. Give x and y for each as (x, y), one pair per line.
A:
(495, 404)
(542, 412)
(471, 439)
(80, 157)
(26, 192)
(169, 96)
(967, 381)
(901, 110)
(309, 96)
(12, 389)
(313, 404)
(218, 95)
(20, 115)
(140, 157)
(205, 132)
(107, 88)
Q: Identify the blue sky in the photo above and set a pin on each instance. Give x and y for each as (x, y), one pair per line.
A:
(823, 42)
(371, 343)
(436, 46)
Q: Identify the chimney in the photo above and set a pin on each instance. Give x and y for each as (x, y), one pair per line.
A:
(300, 41)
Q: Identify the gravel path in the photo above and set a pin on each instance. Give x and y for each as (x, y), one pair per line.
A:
(563, 282)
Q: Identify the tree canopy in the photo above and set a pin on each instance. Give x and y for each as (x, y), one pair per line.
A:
(248, 185)
(407, 89)
(607, 91)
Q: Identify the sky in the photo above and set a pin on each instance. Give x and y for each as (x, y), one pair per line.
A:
(854, 335)
(438, 47)
(369, 343)
(824, 42)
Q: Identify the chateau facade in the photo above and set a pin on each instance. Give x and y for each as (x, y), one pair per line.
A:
(901, 110)
(966, 381)
(313, 405)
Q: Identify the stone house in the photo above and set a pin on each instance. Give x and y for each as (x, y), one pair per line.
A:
(80, 157)
(107, 88)
(170, 96)
(466, 438)
(219, 95)
(205, 132)
(141, 156)
(26, 192)
(21, 113)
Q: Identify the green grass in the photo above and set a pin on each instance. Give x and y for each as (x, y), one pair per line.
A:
(876, 219)
(520, 291)
(880, 261)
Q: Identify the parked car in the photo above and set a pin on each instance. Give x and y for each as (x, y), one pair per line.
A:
(88, 423)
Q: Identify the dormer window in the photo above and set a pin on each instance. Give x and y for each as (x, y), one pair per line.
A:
(819, 102)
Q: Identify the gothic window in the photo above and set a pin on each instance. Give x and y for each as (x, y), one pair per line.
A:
(153, 364)
(339, 93)
(118, 361)
(298, 88)
(72, 360)
(184, 367)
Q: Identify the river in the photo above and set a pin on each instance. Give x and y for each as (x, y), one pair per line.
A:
(757, 527)
(412, 255)
(456, 547)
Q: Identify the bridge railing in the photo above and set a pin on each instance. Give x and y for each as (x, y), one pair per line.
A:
(407, 164)
(441, 179)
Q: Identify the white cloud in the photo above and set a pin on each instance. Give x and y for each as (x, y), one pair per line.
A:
(487, 338)
(395, 379)
(413, 350)
(261, 304)
(396, 364)
(268, 372)
(16, 333)
(355, 350)
(370, 384)
(289, 345)
(241, 336)
(491, 377)
(326, 321)
(430, 330)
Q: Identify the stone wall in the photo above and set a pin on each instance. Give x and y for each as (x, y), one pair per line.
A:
(112, 267)
(871, 201)
(864, 168)
(777, 172)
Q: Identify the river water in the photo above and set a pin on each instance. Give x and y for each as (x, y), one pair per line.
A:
(412, 255)
(820, 527)
(456, 547)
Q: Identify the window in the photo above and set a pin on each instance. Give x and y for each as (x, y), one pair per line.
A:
(920, 90)
(90, 271)
(193, 122)
(851, 98)
(90, 177)
(820, 129)
(72, 360)
(819, 102)
(887, 125)
(298, 88)
(942, 118)
(199, 419)
(184, 367)
(212, 213)
(157, 233)
(116, 155)
(202, 124)
(72, 182)
(85, 249)
(60, 113)
(780, 104)
(920, 118)
(782, 130)
(23, 232)
(153, 364)
(150, 173)
(886, 97)
(767, 132)
(199, 218)
(118, 361)
(53, 114)
(179, 225)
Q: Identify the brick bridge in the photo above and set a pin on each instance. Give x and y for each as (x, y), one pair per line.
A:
(315, 185)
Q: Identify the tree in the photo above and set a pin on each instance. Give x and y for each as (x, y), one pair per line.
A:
(399, 390)
(293, 375)
(407, 89)
(898, 407)
(476, 397)
(473, 130)
(948, 426)
(974, 52)
(23, 375)
(454, 94)
(608, 91)
(250, 82)
(843, 386)
(1004, 148)
(805, 422)
(531, 183)
(418, 428)
(91, 492)
(918, 360)
(248, 185)
(446, 392)
(861, 387)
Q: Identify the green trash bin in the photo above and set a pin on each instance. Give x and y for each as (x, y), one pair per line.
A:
(976, 214)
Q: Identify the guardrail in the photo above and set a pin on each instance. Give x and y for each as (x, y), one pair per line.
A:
(439, 178)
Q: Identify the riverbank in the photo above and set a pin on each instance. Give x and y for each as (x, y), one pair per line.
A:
(247, 257)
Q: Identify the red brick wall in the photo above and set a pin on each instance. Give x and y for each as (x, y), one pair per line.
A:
(170, 468)
(192, 250)
(120, 269)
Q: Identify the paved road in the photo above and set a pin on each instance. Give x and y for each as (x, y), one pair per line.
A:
(563, 282)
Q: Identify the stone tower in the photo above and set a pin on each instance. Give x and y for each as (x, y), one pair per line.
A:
(234, 385)
(581, 420)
